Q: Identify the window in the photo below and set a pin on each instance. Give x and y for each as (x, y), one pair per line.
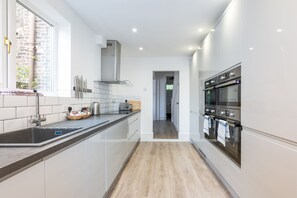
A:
(34, 50)
(40, 55)
(169, 87)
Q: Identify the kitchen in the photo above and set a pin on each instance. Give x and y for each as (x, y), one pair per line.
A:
(257, 36)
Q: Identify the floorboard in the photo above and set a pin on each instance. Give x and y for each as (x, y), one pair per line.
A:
(164, 129)
(167, 170)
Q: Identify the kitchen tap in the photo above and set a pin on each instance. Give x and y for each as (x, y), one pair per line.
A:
(37, 119)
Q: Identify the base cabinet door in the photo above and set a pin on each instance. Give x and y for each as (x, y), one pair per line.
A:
(65, 174)
(96, 166)
(116, 149)
(28, 183)
(79, 171)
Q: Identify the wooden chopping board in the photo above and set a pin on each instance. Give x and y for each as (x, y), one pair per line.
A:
(136, 105)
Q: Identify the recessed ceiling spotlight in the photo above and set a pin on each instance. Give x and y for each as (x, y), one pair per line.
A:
(200, 30)
(279, 30)
(140, 48)
(134, 30)
(212, 30)
(251, 48)
(190, 48)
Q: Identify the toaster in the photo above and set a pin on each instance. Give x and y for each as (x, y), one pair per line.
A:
(125, 106)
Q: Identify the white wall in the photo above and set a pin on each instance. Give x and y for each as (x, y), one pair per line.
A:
(269, 147)
(139, 70)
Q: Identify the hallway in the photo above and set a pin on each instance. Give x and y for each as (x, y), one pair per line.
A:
(164, 129)
(167, 170)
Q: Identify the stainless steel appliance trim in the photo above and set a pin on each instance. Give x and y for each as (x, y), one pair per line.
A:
(210, 88)
(225, 71)
(232, 82)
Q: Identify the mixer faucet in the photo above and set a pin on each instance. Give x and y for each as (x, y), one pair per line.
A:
(38, 118)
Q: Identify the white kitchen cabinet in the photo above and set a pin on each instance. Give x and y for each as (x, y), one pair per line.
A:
(269, 72)
(96, 165)
(134, 132)
(229, 31)
(82, 167)
(28, 183)
(116, 149)
(66, 174)
(268, 167)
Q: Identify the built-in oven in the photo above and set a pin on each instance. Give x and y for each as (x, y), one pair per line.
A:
(223, 104)
(228, 89)
(212, 125)
(210, 92)
(210, 108)
(232, 145)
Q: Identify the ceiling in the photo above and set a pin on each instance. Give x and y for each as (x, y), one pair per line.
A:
(165, 27)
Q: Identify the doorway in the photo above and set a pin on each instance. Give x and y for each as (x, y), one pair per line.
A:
(166, 104)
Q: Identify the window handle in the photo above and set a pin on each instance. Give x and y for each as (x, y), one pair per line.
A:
(8, 44)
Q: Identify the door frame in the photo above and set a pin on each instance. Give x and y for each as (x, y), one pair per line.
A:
(152, 77)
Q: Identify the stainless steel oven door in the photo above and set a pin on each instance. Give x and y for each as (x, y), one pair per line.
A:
(212, 130)
(233, 144)
(229, 94)
(210, 96)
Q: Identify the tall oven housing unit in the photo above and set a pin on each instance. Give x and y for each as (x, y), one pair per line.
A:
(223, 110)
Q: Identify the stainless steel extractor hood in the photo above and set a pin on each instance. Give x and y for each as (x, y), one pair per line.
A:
(111, 63)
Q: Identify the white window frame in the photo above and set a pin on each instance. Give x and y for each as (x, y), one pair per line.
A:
(61, 46)
(3, 48)
(10, 61)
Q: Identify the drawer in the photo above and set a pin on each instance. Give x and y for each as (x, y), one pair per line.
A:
(133, 118)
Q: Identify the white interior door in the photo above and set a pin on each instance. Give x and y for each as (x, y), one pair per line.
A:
(175, 101)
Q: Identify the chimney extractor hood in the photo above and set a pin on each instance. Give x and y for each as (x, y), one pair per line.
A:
(110, 63)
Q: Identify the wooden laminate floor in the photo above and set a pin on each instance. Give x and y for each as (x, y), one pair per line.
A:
(167, 170)
(164, 129)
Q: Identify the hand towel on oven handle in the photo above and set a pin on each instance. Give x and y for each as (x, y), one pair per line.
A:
(206, 124)
(223, 132)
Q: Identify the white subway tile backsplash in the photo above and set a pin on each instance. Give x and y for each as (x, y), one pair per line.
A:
(109, 97)
(74, 101)
(76, 107)
(7, 113)
(52, 118)
(46, 110)
(51, 100)
(32, 100)
(64, 101)
(25, 111)
(16, 124)
(62, 117)
(1, 127)
(58, 109)
(15, 101)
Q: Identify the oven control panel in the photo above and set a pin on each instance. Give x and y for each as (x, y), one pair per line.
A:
(233, 114)
(210, 110)
(232, 74)
(210, 83)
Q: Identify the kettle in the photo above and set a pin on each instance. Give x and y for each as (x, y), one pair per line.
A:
(95, 108)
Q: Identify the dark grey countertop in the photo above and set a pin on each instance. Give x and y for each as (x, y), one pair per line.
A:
(15, 159)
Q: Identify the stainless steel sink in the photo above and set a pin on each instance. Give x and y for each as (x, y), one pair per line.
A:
(36, 136)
